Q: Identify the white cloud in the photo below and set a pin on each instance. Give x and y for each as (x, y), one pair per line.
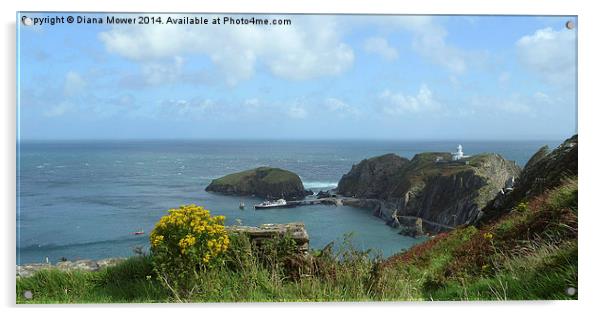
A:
(380, 46)
(399, 103)
(550, 54)
(542, 97)
(334, 104)
(126, 100)
(155, 73)
(58, 110)
(251, 103)
(309, 48)
(430, 41)
(504, 77)
(73, 86)
(516, 103)
(513, 105)
(187, 109)
(74, 83)
(455, 82)
(341, 108)
(297, 112)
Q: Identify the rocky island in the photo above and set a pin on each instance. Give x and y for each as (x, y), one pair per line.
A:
(265, 182)
(433, 191)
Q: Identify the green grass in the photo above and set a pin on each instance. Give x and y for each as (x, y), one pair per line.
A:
(531, 253)
(267, 174)
(546, 274)
(243, 278)
(126, 282)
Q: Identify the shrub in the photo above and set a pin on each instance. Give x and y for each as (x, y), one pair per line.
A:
(280, 255)
(522, 207)
(240, 255)
(184, 244)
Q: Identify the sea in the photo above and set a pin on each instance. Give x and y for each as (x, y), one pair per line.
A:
(85, 199)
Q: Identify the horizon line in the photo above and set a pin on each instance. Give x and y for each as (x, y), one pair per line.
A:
(544, 138)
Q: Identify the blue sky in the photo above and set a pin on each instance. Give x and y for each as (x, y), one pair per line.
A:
(327, 77)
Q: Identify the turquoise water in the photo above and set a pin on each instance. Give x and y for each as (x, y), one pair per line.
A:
(84, 199)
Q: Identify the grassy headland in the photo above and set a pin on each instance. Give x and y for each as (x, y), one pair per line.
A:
(264, 182)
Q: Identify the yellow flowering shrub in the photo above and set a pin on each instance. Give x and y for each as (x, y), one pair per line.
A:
(488, 236)
(185, 242)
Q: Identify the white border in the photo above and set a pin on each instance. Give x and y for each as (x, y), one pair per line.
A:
(589, 127)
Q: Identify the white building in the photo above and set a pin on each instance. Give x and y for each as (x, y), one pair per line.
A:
(458, 154)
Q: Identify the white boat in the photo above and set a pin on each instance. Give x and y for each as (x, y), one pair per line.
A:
(273, 204)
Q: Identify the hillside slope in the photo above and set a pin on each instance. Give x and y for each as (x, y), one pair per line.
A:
(525, 249)
(543, 171)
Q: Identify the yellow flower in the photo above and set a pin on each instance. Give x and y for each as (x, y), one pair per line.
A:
(157, 240)
(186, 242)
(488, 235)
(191, 227)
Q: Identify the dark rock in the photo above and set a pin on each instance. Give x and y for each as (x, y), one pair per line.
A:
(374, 205)
(445, 193)
(265, 182)
(326, 194)
(414, 230)
(544, 171)
(371, 177)
(541, 153)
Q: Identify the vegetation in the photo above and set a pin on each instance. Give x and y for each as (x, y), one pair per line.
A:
(263, 182)
(130, 281)
(267, 174)
(185, 243)
(530, 253)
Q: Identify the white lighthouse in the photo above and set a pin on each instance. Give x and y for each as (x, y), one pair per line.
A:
(458, 154)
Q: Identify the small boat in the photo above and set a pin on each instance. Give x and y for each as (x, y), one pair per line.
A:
(273, 204)
(140, 232)
(241, 205)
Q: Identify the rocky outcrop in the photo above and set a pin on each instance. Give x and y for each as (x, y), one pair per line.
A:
(326, 194)
(544, 171)
(431, 187)
(371, 177)
(265, 182)
(541, 153)
(412, 229)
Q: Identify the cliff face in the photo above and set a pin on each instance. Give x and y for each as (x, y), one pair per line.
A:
(443, 193)
(371, 177)
(264, 182)
(545, 170)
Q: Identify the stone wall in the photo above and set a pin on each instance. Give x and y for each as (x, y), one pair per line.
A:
(267, 231)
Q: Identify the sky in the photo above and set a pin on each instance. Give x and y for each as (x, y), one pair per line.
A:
(321, 77)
